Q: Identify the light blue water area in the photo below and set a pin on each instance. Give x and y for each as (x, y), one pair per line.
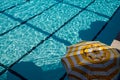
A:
(8, 76)
(16, 43)
(105, 7)
(79, 3)
(83, 27)
(6, 23)
(22, 12)
(57, 16)
(1, 68)
(44, 61)
(47, 56)
(47, 53)
(4, 4)
(30, 9)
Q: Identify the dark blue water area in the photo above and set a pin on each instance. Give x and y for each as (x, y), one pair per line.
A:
(32, 72)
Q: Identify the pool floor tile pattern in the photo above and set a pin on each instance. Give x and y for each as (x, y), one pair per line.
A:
(16, 15)
(1, 68)
(104, 7)
(77, 30)
(18, 42)
(9, 76)
(115, 22)
(3, 24)
(79, 3)
(4, 4)
(28, 35)
(24, 11)
(57, 16)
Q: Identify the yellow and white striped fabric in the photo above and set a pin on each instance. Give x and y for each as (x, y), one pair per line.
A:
(91, 60)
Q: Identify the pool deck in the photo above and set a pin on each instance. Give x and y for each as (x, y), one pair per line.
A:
(116, 42)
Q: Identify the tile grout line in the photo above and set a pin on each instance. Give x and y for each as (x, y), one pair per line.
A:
(11, 71)
(13, 6)
(24, 22)
(6, 68)
(42, 41)
(46, 38)
(105, 25)
(103, 15)
(64, 75)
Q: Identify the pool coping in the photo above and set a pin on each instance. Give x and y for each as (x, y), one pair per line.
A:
(116, 42)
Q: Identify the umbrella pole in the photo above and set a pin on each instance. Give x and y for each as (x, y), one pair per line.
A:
(63, 77)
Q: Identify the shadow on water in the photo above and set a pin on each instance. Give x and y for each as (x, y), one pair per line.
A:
(91, 32)
(32, 72)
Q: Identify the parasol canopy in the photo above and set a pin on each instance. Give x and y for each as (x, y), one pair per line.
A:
(91, 60)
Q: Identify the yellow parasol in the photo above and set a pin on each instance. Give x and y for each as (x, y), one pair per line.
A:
(92, 60)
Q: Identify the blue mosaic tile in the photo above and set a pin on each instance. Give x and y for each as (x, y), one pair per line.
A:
(111, 30)
(16, 15)
(77, 3)
(1, 68)
(105, 7)
(83, 27)
(17, 42)
(55, 17)
(6, 26)
(4, 4)
(44, 60)
(30, 9)
(9, 76)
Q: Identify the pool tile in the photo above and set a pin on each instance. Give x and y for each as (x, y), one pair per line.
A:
(71, 33)
(3, 76)
(54, 17)
(111, 30)
(83, 27)
(49, 52)
(4, 4)
(1, 68)
(46, 59)
(8, 76)
(17, 42)
(6, 26)
(77, 3)
(16, 15)
(30, 9)
(105, 7)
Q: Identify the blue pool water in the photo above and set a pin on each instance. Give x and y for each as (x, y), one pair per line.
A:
(34, 33)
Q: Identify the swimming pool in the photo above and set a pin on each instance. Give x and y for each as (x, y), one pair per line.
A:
(34, 34)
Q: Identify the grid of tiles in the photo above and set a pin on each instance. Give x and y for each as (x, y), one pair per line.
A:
(25, 24)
